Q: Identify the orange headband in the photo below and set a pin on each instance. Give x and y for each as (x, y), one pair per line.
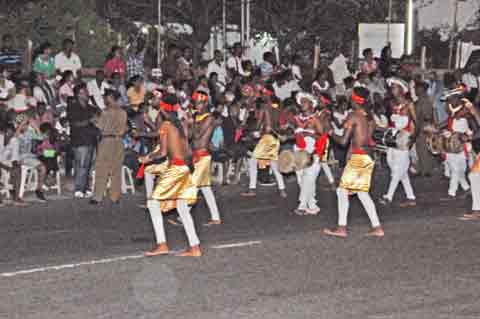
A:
(169, 107)
(358, 99)
(200, 97)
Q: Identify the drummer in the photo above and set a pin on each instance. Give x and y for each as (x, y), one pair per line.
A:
(398, 158)
(458, 126)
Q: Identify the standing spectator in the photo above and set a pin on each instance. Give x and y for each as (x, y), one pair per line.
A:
(66, 87)
(7, 87)
(385, 64)
(185, 65)
(115, 63)
(44, 92)
(321, 85)
(67, 60)
(117, 85)
(218, 66)
(44, 62)
(112, 124)
(296, 69)
(424, 113)
(339, 68)
(10, 160)
(136, 59)
(83, 137)
(234, 63)
(96, 88)
(170, 62)
(10, 58)
(136, 93)
(369, 65)
(285, 86)
(41, 116)
(268, 65)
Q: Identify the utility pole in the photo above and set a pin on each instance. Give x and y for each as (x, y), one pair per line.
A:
(224, 30)
(453, 33)
(390, 3)
(159, 35)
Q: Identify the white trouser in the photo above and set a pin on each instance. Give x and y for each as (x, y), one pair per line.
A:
(344, 205)
(475, 184)
(399, 163)
(457, 163)
(253, 172)
(149, 184)
(184, 213)
(446, 169)
(211, 202)
(307, 179)
(328, 172)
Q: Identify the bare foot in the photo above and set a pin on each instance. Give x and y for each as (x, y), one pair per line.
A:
(160, 249)
(283, 193)
(249, 193)
(408, 203)
(313, 211)
(213, 223)
(192, 252)
(472, 216)
(338, 232)
(376, 232)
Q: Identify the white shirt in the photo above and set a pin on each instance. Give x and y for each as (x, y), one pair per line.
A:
(220, 69)
(64, 63)
(11, 152)
(471, 80)
(235, 62)
(97, 92)
(380, 120)
(21, 103)
(5, 90)
(296, 72)
(339, 68)
(285, 91)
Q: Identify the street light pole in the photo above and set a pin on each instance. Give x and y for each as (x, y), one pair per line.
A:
(390, 3)
(224, 30)
(452, 35)
(159, 36)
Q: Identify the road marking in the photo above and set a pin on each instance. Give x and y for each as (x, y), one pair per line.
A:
(109, 260)
(235, 245)
(67, 266)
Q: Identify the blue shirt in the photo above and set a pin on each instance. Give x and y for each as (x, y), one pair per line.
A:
(10, 58)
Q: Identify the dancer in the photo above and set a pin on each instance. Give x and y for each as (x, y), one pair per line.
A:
(398, 158)
(203, 126)
(357, 175)
(174, 188)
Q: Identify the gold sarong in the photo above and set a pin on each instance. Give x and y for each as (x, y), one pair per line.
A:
(357, 175)
(476, 165)
(266, 150)
(201, 176)
(175, 183)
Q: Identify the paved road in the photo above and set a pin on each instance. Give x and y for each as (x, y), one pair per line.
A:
(264, 262)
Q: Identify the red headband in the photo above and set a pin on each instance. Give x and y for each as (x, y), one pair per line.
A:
(169, 107)
(358, 99)
(200, 97)
(324, 100)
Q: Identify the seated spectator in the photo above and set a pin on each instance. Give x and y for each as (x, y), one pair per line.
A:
(136, 93)
(28, 140)
(369, 65)
(41, 116)
(362, 80)
(67, 60)
(96, 89)
(22, 101)
(268, 64)
(10, 160)
(44, 62)
(285, 86)
(7, 88)
(115, 63)
(320, 84)
(48, 150)
(44, 92)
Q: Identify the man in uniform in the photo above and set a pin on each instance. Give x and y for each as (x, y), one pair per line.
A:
(203, 126)
(357, 175)
(174, 188)
(113, 125)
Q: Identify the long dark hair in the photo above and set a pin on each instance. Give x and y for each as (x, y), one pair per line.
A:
(111, 54)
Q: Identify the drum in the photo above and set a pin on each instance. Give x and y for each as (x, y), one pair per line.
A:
(303, 160)
(436, 144)
(385, 138)
(286, 161)
(454, 143)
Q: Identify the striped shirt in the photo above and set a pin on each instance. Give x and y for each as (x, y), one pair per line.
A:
(10, 57)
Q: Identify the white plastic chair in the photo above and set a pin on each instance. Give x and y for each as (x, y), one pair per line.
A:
(28, 180)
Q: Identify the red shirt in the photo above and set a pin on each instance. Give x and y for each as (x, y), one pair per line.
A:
(115, 65)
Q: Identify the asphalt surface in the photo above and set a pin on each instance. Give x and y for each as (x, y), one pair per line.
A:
(67, 259)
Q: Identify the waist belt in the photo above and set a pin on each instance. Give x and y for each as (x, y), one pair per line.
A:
(112, 136)
(177, 162)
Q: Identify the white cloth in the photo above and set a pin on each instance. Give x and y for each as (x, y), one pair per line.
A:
(457, 164)
(296, 72)
(471, 80)
(460, 125)
(4, 90)
(253, 173)
(11, 152)
(381, 121)
(285, 91)
(149, 184)
(307, 180)
(399, 121)
(339, 69)
(235, 62)
(399, 163)
(475, 184)
(220, 69)
(344, 204)
(97, 92)
(211, 202)
(21, 103)
(64, 63)
(183, 211)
